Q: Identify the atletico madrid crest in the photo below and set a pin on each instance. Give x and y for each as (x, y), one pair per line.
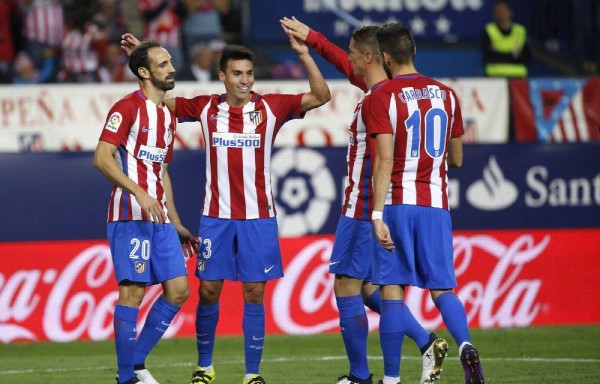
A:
(140, 267)
(255, 117)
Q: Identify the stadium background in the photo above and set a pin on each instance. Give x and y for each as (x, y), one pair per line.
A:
(525, 205)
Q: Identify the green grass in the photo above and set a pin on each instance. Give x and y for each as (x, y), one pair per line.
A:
(524, 355)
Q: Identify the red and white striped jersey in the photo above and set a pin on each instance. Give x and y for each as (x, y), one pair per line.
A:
(164, 28)
(43, 22)
(239, 142)
(422, 114)
(143, 134)
(358, 188)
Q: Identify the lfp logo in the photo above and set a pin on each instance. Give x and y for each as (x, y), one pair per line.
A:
(304, 190)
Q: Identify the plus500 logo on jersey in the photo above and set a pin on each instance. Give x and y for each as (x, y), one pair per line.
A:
(236, 140)
(153, 154)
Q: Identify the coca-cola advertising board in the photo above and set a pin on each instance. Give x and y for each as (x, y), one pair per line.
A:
(65, 290)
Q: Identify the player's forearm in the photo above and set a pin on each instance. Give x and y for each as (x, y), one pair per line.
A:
(334, 55)
(383, 165)
(318, 87)
(110, 169)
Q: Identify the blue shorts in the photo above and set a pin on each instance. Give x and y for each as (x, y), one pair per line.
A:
(353, 248)
(239, 250)
(145, 252)
(424, 255)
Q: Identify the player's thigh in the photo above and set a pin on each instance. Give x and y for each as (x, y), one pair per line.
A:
(217, 254)
(352, 253)
(258, 252)
(434, 249)
(130, 249)
(397, 266)
(168, 261)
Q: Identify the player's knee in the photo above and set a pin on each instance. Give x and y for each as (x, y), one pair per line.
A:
(209, 295)
(254, 294)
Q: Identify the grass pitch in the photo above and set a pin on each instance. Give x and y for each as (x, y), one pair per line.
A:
(524, 355)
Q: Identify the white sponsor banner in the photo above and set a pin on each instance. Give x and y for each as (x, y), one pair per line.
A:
(484, 104)
(70, 117)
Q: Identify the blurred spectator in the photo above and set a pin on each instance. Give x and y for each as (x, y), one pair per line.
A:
(200, 66)
(7, 46)
(290, 69)
(231, 21)
(25, 72)
(505, 48)
(83, 45)
(202, 21)
(132, 18)
(43, 26)
(162, 24)
(114, 68)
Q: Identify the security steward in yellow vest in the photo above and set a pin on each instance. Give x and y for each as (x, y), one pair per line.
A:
(504, 45)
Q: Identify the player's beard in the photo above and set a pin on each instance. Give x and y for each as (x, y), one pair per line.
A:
(163, 85)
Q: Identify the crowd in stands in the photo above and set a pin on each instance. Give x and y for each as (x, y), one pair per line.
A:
(48, 41)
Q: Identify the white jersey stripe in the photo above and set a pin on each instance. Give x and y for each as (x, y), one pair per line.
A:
(131, 161)
(393, 114)
(435, 185)
(409, 189)
(248, 157)
(206, 133)
(223, 166)
(151, 142)
(269, 132)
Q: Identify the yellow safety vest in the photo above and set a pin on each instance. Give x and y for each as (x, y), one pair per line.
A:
(502, 43)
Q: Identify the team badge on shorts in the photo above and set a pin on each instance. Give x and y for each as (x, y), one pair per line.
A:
(201, 265)
(140, 267)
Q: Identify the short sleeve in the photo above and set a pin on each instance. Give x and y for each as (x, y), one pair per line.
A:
(285, 107)
(118, 123)
(189, 109)
(375, 113)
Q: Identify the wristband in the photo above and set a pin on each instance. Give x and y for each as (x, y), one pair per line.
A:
(377, 215)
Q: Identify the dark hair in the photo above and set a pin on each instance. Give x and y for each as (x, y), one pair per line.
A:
(139, 57)
(365, 38)
(500, 2)
(234, 52)
(397, 41)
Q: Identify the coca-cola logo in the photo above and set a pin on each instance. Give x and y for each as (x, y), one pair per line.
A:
(303, 302)
(75, 303)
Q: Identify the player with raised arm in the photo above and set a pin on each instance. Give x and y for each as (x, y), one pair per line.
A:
(144, 230)
(417, 126)
(354, 243)
(238, 227)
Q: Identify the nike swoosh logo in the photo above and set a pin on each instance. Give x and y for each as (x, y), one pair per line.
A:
(202, 334)
(268, 269)
(334, 262)
(257, 338)
(145, 129)
(165, 324)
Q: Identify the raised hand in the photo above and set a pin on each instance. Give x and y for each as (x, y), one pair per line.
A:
(129, 43)
(295, 28)
(298, 46)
